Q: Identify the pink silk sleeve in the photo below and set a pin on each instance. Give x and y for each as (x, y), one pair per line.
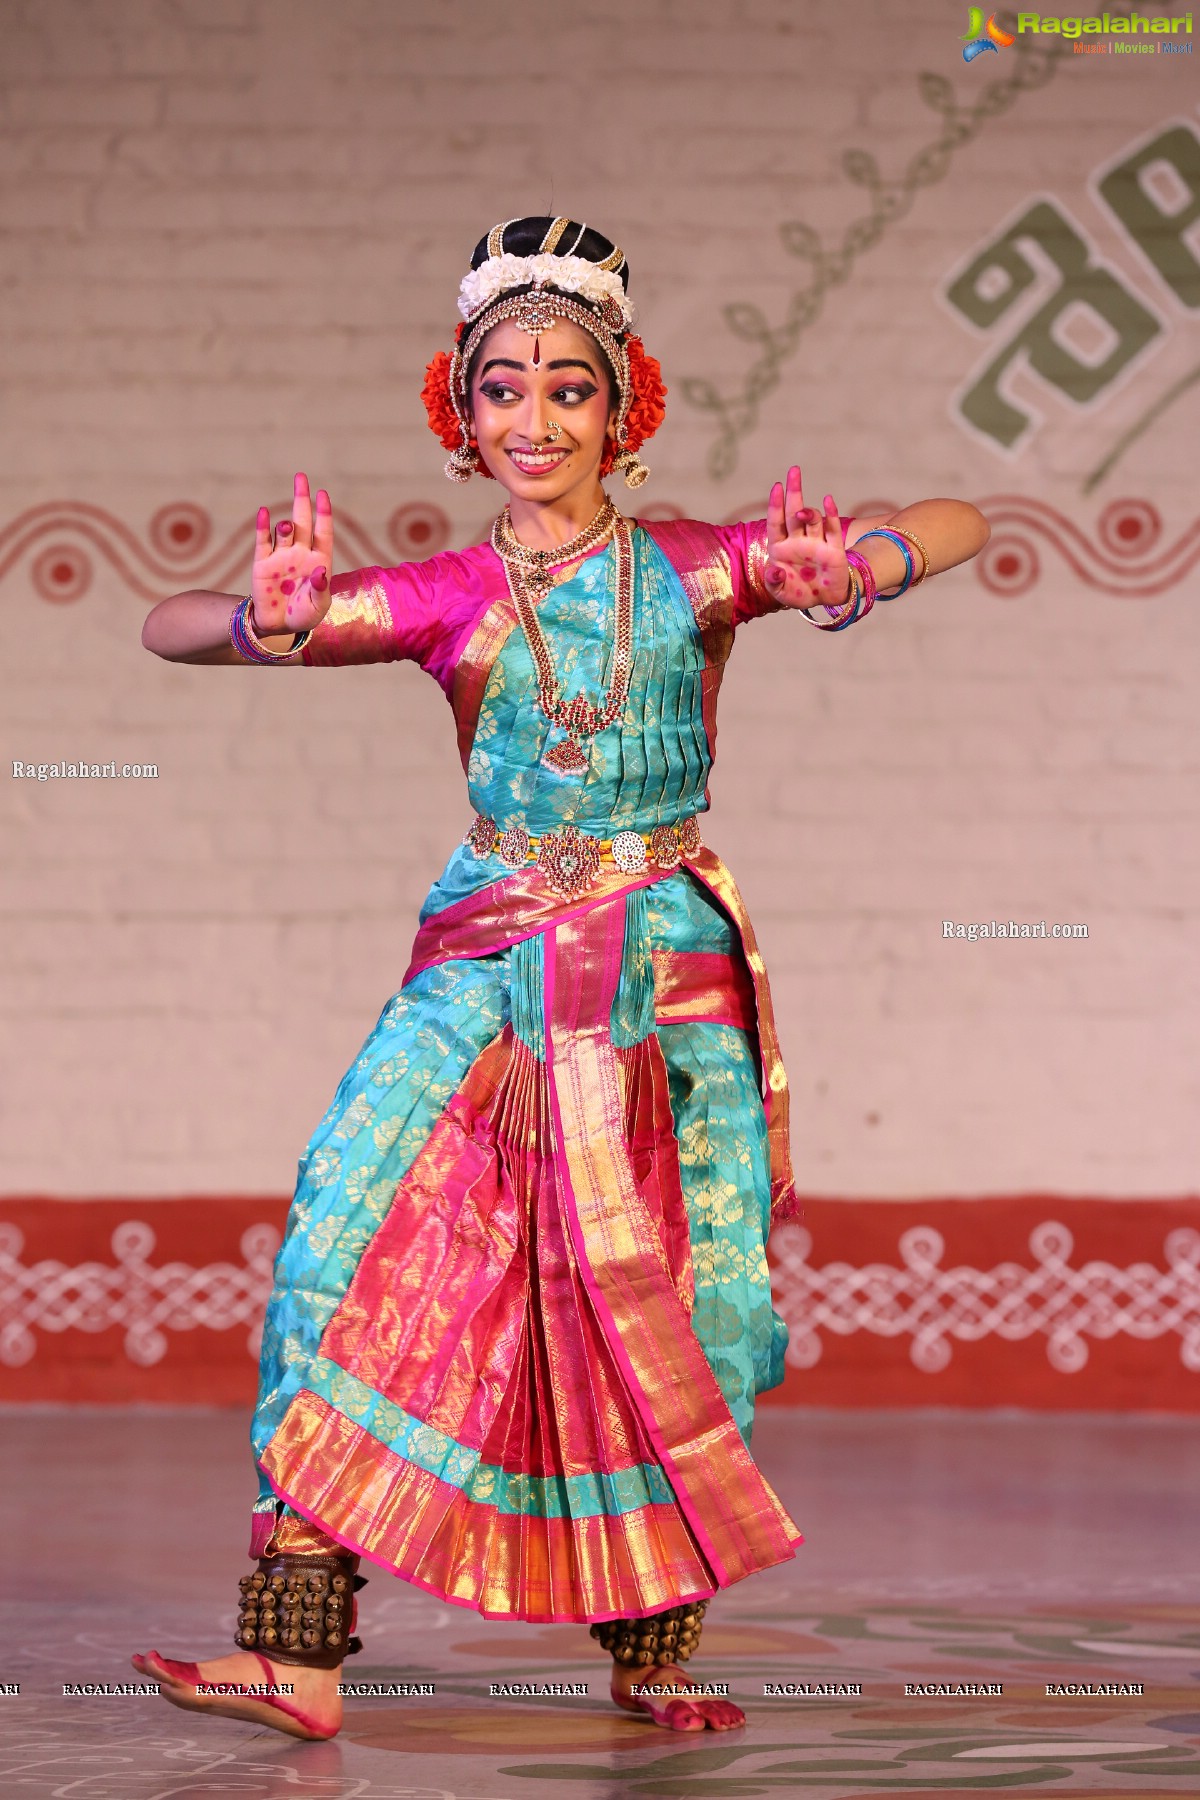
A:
(420, 612)
(376, 615)
(746, 547)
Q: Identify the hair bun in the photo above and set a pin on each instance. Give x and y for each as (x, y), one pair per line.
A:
(546, 236)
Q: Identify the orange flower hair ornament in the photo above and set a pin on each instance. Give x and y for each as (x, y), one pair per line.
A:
(642, 395)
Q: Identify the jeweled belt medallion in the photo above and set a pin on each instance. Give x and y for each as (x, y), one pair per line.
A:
(629, 852)
(569, 860)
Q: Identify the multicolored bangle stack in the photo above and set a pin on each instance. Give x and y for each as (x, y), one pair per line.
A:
(906, 542)
(248, 645)
(863, 589)
(857, 604)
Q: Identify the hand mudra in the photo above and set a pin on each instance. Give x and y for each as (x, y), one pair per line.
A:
(806, 558)
(289, 583)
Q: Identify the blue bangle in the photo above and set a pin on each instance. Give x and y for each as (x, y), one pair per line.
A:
(910, 566)
(859, 592)
(241, 636)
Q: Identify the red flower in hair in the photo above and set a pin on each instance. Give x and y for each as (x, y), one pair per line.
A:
(443, 420)
(646, 407)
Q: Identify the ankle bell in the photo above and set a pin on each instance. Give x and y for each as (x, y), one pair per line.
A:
(301, 1609)
(666, 1637)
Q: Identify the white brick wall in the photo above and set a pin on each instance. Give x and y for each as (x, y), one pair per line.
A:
(232, 235)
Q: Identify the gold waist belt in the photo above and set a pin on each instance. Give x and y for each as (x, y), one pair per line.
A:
(572, 859)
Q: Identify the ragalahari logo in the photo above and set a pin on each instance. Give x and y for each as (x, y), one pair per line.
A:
(983, 37)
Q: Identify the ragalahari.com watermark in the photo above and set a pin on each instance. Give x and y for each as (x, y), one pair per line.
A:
(1010, 928)
(58, 771)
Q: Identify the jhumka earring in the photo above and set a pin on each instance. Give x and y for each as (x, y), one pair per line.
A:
(630, 465)
(464, 461)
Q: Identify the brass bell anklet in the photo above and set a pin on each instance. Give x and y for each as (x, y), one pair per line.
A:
(665, 1637)
(301, 1609)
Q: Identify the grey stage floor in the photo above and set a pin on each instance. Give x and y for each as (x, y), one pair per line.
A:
(1030, 1550)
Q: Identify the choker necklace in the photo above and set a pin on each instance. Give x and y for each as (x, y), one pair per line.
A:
(536, 565)
(529, 580)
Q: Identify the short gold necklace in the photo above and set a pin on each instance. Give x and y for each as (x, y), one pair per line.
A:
(529, 580)
(536, 565)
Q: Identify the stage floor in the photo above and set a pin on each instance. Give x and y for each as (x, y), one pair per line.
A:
(942, 1547)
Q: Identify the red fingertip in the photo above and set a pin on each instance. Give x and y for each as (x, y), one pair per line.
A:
(318, 579)
(264, 516)
(323, 501)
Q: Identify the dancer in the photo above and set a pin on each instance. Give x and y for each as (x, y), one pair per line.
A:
(521, 1313)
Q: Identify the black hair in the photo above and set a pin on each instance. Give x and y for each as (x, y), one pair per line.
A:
(525, 237)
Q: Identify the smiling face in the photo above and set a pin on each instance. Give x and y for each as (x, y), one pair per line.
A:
(514, 401)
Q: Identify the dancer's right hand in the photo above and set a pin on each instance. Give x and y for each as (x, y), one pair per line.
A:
(289, 583)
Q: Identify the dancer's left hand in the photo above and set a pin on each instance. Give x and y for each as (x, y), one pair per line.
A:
(806, 558)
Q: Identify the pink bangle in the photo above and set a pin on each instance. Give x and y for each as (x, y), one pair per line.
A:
(248, 645)
(866, 574)
(859, 603)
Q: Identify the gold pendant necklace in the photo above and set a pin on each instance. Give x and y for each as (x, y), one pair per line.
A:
(529, 580)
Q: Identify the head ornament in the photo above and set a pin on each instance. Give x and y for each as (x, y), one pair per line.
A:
(552, 281)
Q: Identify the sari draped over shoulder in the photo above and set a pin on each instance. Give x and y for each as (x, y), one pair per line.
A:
(522, 1311)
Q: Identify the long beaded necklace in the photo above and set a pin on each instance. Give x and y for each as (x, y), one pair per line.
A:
(529, 575)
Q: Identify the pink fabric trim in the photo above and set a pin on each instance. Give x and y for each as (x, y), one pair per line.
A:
(588, 1274)
(530, 1618)
(261, 1526)
(426, 951)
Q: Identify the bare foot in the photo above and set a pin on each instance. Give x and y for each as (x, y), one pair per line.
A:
(312, 1710)
(683, 1714)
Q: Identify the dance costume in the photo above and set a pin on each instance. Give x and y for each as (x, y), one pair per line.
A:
(522, 1312)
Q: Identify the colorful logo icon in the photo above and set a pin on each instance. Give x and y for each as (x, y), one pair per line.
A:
(983, 37)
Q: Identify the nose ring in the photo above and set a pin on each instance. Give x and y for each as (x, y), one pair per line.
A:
(553, 430)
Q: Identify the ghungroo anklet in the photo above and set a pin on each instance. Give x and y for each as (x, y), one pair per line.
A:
(665, 1637)
(301, 1609)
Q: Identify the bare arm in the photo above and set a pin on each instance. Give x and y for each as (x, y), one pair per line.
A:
(289, 591)
(952, 531)
(194, 628)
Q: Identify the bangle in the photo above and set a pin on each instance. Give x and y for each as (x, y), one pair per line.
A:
(248, 645)
(901, 544)
(844, 613)
(857, 604)
(862, 577)
(916, 543)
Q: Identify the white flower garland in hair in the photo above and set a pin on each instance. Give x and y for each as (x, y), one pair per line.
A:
(573, 274)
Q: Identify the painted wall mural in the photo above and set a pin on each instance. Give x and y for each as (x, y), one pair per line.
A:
(1031, 1299)
(1120, 551)
(1092, 330)
(734, 414)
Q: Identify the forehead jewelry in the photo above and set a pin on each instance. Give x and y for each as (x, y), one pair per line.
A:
(535, 312)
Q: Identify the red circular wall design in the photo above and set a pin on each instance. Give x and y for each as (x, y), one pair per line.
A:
(61, 572)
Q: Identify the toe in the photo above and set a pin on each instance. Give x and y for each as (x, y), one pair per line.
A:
(681, 1715)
